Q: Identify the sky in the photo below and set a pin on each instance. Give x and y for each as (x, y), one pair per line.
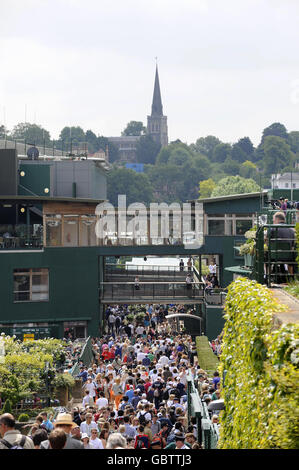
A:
(227, 68)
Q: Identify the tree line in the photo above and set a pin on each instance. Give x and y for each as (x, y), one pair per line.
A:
(179, 172)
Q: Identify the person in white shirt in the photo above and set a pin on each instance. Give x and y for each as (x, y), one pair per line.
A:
(213, 267)
(163, 360)
(139, 330)
(87, 400)
(140, 356)
(94, 441)
(101, 401)
(89, 385)
(88, 425)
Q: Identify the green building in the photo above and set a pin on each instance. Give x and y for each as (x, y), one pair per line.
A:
(54, 269)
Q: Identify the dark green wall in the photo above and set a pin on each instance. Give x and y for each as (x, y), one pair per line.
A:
(73, 287)
(233, 206)
(37, 178)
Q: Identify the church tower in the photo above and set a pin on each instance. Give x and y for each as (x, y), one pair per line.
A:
(156, 122)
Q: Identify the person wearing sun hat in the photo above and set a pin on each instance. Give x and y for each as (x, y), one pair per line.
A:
(64, 421)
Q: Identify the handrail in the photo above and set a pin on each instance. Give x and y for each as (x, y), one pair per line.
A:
(149, 282)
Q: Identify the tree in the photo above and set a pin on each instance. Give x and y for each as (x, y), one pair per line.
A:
(246, 145)
(277, 154)
(221, 152)
(179, 156)
(238, 154)
(206, 145)
(92, 141)
(206, 188)
(164, 180)
(72, 137)
(275, 129)
(135, 186)
(134, 128)
(32, 133)
(293, 141)
(163, 155)
(248, 170)
(235, 185)
(147, 149)
(231, 167)
(3, 131)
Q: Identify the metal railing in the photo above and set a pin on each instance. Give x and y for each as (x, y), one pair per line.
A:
(274, 259)
(150, 290)
(149, 269)
(207, 434)
(215, 296)
(21, 243)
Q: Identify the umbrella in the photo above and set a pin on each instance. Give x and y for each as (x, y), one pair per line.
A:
(216, 405)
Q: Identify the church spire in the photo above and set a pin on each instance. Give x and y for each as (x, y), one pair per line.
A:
(157, 108)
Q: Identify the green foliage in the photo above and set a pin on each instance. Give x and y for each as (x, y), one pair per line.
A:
(22, 372)
(64, 381)
(277, 154)
(23, 418)
(7, 407)
(147, 149)
(32, 133)
(135, 185)
(235, 185)
(261, 384)
(206, 188)
(134, 128)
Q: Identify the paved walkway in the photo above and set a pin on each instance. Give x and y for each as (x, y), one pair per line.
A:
(292, 314)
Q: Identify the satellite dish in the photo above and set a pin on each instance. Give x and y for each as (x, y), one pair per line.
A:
(32, 153)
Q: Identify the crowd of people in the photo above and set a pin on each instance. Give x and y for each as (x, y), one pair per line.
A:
(134, 392)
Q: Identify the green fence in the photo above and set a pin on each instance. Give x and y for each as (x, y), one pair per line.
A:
(207, 433)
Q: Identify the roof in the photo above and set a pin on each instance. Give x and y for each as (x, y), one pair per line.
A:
(157, 108)
(37, 199)
(231, 196)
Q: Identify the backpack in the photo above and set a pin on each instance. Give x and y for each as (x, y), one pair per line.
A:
(142, 442)
(142, 418)
(14, 446)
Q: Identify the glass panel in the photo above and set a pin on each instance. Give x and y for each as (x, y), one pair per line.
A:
(87, 232)
(22, 283)
(70, 232)
(40, 286)
(242, 226)
(21, 287)
(228, 227)
(21, 296)
(53, 233)
(216, 227)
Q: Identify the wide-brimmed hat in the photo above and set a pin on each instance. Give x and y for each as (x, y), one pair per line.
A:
(64, 418)
(178, 435)
(84, 435)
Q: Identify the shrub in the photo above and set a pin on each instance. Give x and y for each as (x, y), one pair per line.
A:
(7, 407)
(64, 381)
(23, 418)
(261, 383)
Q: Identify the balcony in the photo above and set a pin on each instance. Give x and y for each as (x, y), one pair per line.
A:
(21, 237)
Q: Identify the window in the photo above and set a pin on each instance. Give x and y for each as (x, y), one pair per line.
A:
(242, 226)
(31, 285)
(216, 227)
